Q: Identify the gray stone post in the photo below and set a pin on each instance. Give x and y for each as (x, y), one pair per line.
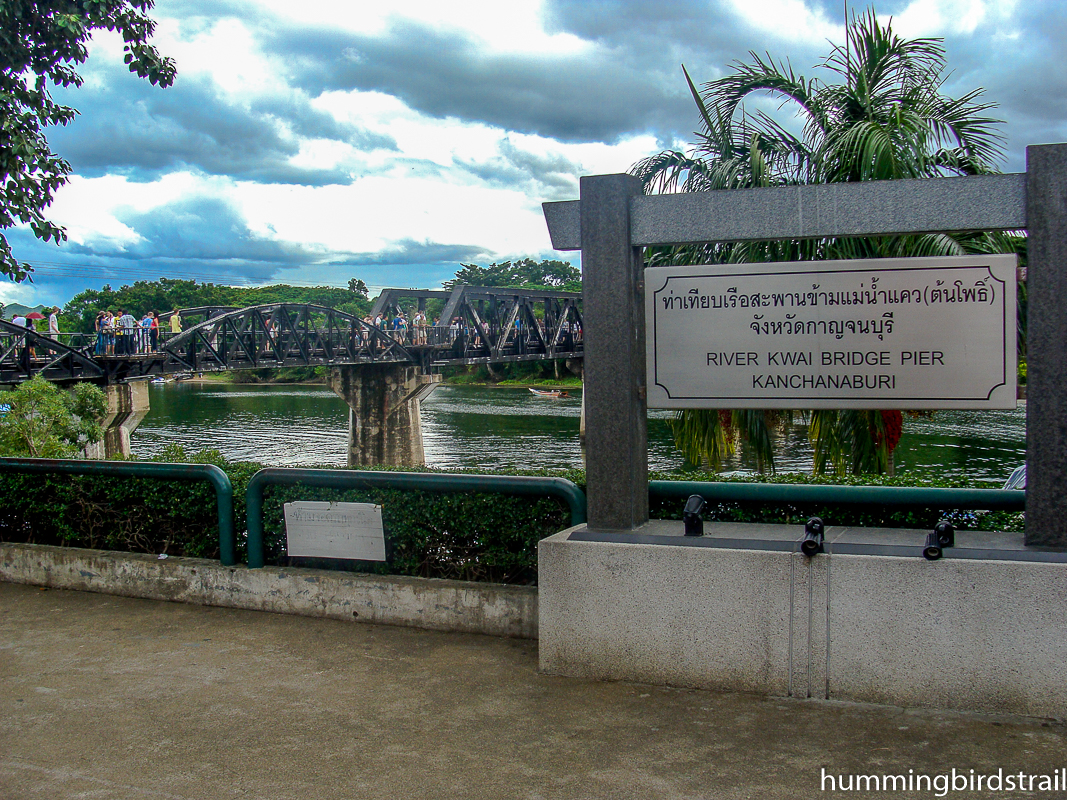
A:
(1046, 378)
(616, 430)
(384, 425)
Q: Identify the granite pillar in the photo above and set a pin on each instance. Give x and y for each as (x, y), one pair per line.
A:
(1046, 407)
(616, 434)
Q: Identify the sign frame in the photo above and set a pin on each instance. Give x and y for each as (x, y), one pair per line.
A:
(671, 385)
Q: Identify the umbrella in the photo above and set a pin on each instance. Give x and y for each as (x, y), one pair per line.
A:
(35, 315)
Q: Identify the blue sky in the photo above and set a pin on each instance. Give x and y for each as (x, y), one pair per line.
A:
(318, 141)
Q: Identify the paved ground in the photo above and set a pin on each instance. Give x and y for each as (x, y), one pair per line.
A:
(106, 697)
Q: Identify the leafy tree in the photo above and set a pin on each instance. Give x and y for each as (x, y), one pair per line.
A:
(44, 421)
(357, 286)
(525, 273)
(881, 116)
(40, 41)
(169, 293)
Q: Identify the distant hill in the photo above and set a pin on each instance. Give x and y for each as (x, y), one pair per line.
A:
(15, 309)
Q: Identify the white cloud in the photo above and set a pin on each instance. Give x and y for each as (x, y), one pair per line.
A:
(941, 17)
(791, 20)
(25, 293)
(227, 51)
(89, 208)
(378, 212)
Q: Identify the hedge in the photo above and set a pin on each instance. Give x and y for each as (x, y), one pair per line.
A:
(463, 536)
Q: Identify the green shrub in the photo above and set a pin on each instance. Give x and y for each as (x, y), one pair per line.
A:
(463, 536)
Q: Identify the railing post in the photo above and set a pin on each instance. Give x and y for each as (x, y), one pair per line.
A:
(1046, 405)
(616, 436)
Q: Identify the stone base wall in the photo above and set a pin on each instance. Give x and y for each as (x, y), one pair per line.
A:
(493, 609)
(982, 633)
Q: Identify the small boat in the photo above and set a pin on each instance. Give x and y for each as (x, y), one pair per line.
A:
(1017, 480)
(158, 380)
(549, 393)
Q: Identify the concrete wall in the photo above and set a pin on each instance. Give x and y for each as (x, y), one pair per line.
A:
(442, 605)
(967, 633)
(666, 615)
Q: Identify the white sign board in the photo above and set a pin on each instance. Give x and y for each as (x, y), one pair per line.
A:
(915, 333)
(335, 530)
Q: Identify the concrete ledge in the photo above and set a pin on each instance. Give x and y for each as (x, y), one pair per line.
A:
(493, 609)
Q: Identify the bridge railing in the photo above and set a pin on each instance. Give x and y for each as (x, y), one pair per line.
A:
(873, 496)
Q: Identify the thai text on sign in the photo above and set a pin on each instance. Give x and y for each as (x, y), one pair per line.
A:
(918, 333)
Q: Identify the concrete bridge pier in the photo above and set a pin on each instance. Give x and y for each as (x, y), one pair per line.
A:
(384, 426)
(127, 405)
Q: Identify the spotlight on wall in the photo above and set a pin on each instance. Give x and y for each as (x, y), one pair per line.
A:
(813, 537)
(946, 534)
(691, 515)
(942, 536)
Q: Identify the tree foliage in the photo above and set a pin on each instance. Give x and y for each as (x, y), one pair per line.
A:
(356, 286)
(881, 116)
(167, 294)
(45, 421)
(524, 274)
(40, 42)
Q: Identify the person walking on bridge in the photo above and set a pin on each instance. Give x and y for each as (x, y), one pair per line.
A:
(128, 326)
(175, 322)
(53, 326)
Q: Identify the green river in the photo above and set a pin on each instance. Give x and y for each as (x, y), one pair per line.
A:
(500, 428)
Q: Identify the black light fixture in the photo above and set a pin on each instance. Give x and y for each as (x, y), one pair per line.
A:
(942, 536)
(691, 515)
(946, 534)
(813, 537)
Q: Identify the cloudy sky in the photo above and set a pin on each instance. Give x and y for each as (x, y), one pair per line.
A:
(316, 141)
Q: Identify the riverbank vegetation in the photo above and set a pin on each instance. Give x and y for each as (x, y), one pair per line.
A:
(42, 420)
(520, 373)
(461, 536)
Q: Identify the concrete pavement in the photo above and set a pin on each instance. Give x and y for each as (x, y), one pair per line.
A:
(110, 697)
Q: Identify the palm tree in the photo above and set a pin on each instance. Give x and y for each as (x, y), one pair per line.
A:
(881, 117)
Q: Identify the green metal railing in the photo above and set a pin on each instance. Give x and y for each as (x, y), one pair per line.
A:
(421, 481)
(142, 469)
(918, 497)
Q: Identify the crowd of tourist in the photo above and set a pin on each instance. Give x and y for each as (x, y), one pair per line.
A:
(119, 333)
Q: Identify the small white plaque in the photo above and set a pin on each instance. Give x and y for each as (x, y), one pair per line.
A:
(885, 333)
(335, 530)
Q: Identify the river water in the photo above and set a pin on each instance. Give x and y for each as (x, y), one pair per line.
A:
(501, 428)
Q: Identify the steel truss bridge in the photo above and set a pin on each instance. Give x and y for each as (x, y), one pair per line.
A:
(477, 325)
